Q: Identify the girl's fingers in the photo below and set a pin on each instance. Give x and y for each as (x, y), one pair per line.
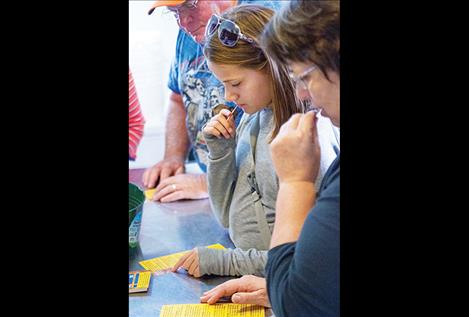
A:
(180, 262)
(220, 126)
(193, 268)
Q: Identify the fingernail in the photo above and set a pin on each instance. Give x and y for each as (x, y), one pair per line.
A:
(235, 298)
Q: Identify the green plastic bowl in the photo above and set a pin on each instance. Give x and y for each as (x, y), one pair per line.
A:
(136, 200)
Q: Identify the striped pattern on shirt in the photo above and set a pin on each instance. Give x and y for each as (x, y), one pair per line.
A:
(136, 119)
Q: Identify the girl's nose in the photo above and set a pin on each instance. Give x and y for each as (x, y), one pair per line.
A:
(229, 96)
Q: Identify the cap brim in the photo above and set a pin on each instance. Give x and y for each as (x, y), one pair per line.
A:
(165, 3)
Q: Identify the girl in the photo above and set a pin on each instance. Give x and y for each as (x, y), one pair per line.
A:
(242, 183)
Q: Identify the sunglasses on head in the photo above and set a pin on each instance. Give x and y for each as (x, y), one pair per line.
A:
(228, 32)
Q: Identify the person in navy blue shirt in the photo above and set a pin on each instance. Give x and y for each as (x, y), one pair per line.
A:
(195, 96)
(302, 271)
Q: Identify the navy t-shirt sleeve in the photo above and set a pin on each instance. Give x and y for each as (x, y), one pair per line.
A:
(303, 277)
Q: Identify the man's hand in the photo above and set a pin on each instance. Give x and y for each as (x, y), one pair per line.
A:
(295, 150)
(248, 289)
(181, 186)
(162, 170)
(190, 262)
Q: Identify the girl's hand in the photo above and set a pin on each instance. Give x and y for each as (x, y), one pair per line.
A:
(221, 125)
(190, 262)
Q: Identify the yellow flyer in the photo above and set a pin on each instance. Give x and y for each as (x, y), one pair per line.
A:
(139, 281)
(168, 261)
(216, 310)
(149, 193)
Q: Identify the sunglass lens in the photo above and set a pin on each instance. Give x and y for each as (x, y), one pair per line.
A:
(228, 33)
(211, 26)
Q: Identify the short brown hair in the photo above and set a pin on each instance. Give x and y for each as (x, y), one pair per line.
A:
(306, 31)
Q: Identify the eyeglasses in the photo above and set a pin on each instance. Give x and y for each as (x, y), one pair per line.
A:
(228, 32)
(302, 77)
(177, 10)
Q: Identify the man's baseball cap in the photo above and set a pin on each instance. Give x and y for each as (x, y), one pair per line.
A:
(165, 3)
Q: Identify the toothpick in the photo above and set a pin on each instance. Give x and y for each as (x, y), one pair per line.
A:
(231, 113)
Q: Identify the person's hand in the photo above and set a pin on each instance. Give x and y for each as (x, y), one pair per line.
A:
(221, 125)
(182, 186)
(190, 262)
(248, 289)
(295, 150)
(162, 170)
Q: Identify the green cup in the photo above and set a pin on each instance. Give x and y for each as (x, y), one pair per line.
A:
(136, 200)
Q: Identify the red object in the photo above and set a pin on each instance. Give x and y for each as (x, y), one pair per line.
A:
(136, 119)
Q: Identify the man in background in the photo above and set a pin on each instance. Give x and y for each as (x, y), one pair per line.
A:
(192, 88)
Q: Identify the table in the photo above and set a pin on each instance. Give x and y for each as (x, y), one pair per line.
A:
(169, 228)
